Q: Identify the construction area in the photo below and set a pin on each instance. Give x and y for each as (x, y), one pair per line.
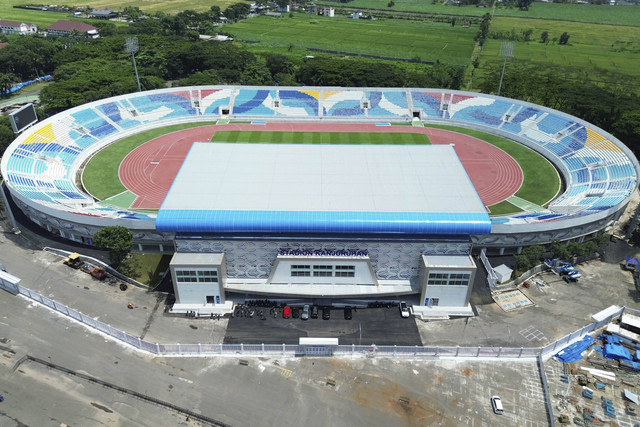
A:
(595, 382)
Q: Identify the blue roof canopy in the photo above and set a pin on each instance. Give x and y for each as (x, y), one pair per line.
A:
(401, 223)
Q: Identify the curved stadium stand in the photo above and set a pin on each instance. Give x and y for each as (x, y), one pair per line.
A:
(600, 173)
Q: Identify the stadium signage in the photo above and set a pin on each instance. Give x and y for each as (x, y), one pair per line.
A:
(323, 253)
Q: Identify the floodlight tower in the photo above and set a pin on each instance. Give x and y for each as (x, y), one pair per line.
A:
(506, 51)
(131, 46)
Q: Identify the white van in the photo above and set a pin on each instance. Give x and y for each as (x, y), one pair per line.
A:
(496, 403)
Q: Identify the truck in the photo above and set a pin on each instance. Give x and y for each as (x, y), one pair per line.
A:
(74, 261)
(564, 269)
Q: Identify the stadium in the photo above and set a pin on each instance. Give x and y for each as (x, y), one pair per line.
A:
(393, 220)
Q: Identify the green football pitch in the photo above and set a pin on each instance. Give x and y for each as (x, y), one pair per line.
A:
(320, 137)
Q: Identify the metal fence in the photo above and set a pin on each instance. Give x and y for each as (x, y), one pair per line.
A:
(492, 279)
(393, 351)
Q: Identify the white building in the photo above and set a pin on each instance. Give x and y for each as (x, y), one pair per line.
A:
(14, 27)
(323, 223)
(328, 11)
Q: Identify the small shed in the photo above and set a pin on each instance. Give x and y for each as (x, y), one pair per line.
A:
(311, 346)
(503, 273)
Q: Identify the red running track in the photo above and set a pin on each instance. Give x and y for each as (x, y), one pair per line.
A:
(149, 170)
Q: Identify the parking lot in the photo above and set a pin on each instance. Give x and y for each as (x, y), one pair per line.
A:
(381, 326)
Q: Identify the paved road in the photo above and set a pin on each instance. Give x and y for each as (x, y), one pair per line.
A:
(270, 390)
(267, 391)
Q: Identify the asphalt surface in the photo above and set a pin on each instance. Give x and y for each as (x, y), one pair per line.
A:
(380, 326)
(271, 390)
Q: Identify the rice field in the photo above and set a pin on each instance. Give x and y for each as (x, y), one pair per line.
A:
(430, 41)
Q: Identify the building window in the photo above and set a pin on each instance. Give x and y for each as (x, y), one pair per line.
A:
(323, 271)
(434, 302)
(345, 270)
(300, 270)
(197, 276)
(450, 279)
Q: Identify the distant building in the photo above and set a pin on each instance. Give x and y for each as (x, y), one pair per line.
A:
(356, 15)
(14, 27)
(102, 13)
(65, 28)
(328, 11)
(313, 8)
(217, 37)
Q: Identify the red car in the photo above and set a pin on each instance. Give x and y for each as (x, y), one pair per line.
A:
(286, 313)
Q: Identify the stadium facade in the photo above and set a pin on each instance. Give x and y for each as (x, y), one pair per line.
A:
(259, 247)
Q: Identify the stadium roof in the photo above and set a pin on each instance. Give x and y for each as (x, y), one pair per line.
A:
(331, 189)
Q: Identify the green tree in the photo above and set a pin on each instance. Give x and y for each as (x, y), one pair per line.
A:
(6, 82)
(485, 23)
(522, 262)
(534, 254)
(559, 251)
(6, 134)
(117, 239)
(237, 11)
(524, 4)
(200, 78)
(564, 38)
(590, 247)
(544, 37)
(130, 266)
(215, 13)
(574, 248)
(132, 12)
(277, 63)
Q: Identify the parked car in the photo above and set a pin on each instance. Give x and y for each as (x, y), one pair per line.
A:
(496, 404)
(314, 312)
(295, 312)
(305, 312)
(326, 313)
(286, 312)
(404, 310)
(347, 313)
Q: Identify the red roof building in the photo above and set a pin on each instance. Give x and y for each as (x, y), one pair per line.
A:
(65, 28)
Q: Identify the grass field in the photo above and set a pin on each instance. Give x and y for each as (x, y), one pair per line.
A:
(602, 14)
(601, 47)
(321, 137)
(100, 175)
(151, 267)
(43, 19)
(541, 180)
(430, 41)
